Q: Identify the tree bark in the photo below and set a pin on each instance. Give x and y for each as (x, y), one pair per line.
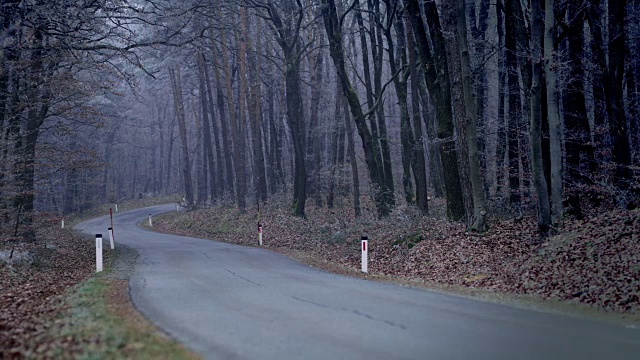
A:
(226, 125)
(580, 155)
(256, 117)
(176, 85)
(555, 138)
(515, 103)
(217, 173)
(407, 139)
(540, 183)
(478, 221)
(208, 146)
(373, 158)
(615, 106)
(437, 80)
(288, 39)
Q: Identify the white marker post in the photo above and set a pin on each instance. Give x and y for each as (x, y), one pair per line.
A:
(63, 223)
(116, 207)
(150, 221)
(365, 252)
(98, 252)
(177, 207)
(111, 238)
(260, 234)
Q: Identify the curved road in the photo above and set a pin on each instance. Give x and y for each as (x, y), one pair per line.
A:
(231, 302)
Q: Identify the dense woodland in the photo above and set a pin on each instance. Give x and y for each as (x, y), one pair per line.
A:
(502, 107)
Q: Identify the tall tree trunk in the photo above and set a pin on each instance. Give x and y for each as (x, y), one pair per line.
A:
(333, 158)
(437, 80)
(351, 150)
(407, 139)
(208, 143)
(176, 85)
(479, 26)
(160, 174)
(240, 134)
(224, 124)
(615, 106)
(580, 155)
(599, 80)
(501, 137)
(314, 138)
(418, 161)
(377, 54)
(256, 118)
(540, 183)
(217, 173)
(515, 104)
(555, 138)
(373, 158)
(169, 187)
(288, 38)
(236, 134)
(199, 157)
(435, 164)
(478, 221)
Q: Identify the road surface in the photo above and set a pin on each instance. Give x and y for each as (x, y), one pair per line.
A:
(231, 302)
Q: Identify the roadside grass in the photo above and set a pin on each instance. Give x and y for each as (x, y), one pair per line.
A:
(102, 320)
(54, 306)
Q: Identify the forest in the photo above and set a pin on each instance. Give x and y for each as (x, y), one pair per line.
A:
(500, 109)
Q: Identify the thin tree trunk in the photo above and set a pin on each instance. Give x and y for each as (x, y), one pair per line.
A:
(418, 161)
(314, 135)
(615, 106)
(515, 104)
(479, 28)
(240, 135)
(217, 173)
(333, 158)
(170, 155)
(351, 150)
(580, 154)
(208, 143)
(256, 118)
(199, 157)
(501, 138)
(406, 133)
(377, 55)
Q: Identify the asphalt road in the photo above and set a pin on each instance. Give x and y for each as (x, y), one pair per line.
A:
(231, 302)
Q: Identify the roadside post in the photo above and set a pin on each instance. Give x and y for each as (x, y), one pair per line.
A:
(98, 252)
(111, 214)
(150, 221)
(365, 253)
(259, 226)
(63, 223)
(111, 238)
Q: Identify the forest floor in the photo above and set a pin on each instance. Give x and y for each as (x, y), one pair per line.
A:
(595, 261)
(53, 305)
